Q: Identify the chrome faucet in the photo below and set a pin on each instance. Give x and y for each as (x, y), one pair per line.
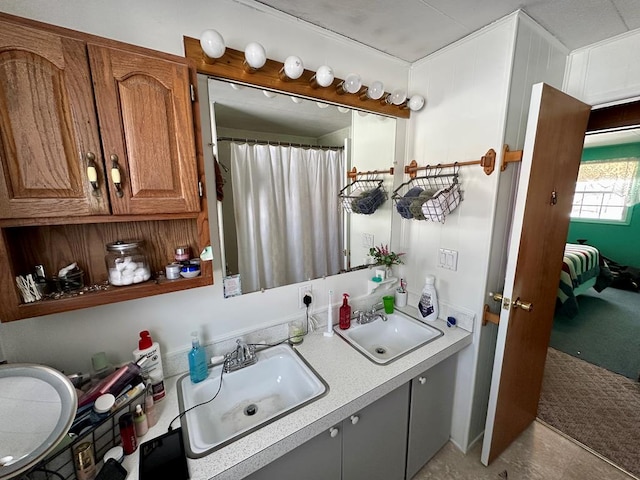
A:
(366, 317)
(243, 356)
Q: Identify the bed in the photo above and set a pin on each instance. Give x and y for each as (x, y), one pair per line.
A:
(582, 268)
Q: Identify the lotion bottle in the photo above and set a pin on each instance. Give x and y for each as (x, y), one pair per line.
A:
(153, 366)
(345, 312)
(197, 360)
(428, 304)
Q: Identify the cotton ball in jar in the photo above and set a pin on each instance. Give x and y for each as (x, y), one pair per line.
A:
(115, 277)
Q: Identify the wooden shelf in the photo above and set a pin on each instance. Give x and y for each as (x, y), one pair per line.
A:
(111, 295)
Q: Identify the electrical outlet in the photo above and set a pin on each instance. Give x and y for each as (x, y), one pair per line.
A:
(302, 291)
(463, 316)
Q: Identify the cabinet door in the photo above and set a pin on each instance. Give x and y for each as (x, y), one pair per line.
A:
(430, 413)
(374, 442)
(146, 126)
(317, 459)
(48, 127)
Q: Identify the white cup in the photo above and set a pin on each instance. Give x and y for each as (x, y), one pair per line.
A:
(400, 299)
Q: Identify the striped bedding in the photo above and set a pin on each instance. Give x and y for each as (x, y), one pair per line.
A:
(581, 263)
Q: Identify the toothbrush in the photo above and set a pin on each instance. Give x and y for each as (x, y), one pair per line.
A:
(329, 332)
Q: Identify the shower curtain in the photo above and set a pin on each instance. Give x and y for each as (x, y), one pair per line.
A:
(288, 217)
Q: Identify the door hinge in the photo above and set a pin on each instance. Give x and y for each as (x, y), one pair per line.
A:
(193, 92)
(200, 190)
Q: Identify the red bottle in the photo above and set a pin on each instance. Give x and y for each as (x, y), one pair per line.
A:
(345, 313)
(128, 433)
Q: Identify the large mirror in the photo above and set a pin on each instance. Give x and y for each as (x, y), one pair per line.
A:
(282, 164)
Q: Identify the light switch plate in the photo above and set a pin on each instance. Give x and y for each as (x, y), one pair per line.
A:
(448, 259)
(367, 240)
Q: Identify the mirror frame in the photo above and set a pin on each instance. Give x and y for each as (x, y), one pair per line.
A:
(69, 405)
(230, 67)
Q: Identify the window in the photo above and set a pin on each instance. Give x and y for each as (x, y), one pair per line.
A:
(605, 190)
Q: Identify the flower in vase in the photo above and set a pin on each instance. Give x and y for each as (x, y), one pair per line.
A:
(383, 256)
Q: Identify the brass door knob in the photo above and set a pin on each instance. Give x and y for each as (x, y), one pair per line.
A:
(526, 306)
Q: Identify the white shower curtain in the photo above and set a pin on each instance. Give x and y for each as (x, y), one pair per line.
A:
(288, 217)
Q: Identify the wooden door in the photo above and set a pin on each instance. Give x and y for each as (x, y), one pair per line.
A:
(144, 109)
(552, 152)
(48, 127)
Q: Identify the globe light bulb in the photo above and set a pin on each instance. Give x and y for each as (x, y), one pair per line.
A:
(212, 44)
(375, 90)
(351, 84)
(416, 102)
(323, 77)
(397, 97)
(293, 67)
(255, 56)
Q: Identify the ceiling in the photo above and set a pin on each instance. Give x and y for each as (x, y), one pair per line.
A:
(412, 29)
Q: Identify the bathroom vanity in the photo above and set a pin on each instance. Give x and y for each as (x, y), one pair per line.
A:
(403, 408)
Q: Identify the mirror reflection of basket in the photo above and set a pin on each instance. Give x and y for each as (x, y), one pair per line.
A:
(363, 196)
(432, 197)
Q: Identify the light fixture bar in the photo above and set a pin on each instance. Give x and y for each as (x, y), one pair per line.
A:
(230, 67)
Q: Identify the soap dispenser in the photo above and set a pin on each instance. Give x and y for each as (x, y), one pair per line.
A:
(345, 312)
(197, 360)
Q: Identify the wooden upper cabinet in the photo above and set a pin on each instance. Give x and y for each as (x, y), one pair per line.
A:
(146, 126)
(48, 127)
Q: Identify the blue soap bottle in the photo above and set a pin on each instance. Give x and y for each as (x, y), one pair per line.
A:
(197, 360)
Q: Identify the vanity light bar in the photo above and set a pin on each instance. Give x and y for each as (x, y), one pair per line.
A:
(231, 66)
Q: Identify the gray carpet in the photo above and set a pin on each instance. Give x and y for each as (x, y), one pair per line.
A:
(596, 407)
(606, 331)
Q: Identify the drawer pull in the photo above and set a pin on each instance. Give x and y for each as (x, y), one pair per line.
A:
(354, 419)
(333, 431)
(422, 380)
(92, 173)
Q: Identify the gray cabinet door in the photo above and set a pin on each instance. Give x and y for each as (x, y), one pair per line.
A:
(316, 459)
(430, 413)
(374, 440)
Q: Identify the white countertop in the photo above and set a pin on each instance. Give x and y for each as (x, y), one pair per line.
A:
(354, 382)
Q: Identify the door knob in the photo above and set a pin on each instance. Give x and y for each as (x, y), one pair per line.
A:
(506, 302)
(495, 296)
(526, 306)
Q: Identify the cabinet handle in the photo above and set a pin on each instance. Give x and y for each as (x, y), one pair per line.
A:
(92, 173)
(354, 419)
(422, 380)
(333, 431)
(115, 175)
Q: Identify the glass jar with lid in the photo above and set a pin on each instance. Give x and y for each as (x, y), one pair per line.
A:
(127, 262)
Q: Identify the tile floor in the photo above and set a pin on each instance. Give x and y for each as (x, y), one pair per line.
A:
(539, 453)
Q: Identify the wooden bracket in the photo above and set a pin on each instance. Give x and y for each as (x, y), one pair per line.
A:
(488, 316)
(509, 157)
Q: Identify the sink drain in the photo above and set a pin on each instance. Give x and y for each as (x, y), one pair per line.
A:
(381, 350)
(250, 410)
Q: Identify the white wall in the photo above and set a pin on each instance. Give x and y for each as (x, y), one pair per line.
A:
(606, 71)
(478, 94)
(66, 341)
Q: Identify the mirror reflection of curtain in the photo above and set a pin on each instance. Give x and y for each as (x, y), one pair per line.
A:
(288, 216)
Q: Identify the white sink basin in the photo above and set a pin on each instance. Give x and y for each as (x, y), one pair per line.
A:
(280, 382)
(384, 341)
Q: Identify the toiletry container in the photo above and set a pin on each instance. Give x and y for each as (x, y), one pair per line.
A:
(197, 360)
(85, 462)
(150, 411)
(345, 312)
(152, 368)
(428, 304)
(127, 263)
(127, 433)
(140, 421)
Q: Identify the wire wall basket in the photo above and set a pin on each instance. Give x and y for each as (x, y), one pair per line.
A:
(363, 196)
(430, 198)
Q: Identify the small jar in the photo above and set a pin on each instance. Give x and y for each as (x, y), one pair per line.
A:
(85, 462)
(173, 271)
(127, 263)
(182, 254)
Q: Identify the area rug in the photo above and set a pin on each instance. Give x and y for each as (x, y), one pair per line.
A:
(606, 331)
(594, 406)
